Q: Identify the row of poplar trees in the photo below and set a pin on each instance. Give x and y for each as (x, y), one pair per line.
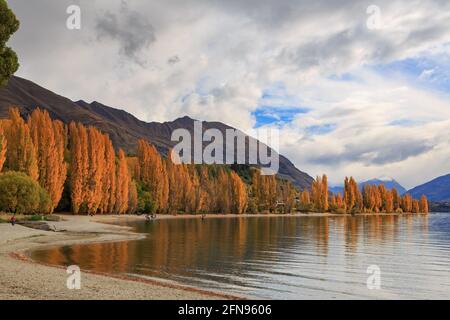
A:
(81, 164)
(371, 199)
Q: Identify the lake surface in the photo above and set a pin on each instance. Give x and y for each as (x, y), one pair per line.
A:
(282, 257)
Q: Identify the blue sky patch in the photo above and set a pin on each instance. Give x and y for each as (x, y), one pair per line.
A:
(431, 72)
(277, 106)
(321, 129)
(343, 77)
(405, 123)
(265, 115)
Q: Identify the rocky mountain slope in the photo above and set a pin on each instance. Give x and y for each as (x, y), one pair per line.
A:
(123, 128)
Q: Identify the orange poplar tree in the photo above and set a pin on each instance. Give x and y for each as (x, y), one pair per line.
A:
(424, 204)
(151, 171)
(340, 202)
(3, 146)
(108, 203)
(377, 198)
(389, 206)
(199, 195)
(123, 182)
(133, 198)
(349, 194)
(265, 189)
(367, 197)
(222, 183)
(287, 195)
(49, 139)
(305, 200)
(415, 206)
(397, 200)
(407, 204)
(79, 165)
(316, 194)
(239, 194)
(324, 193)
(21, 152)
(319, 194)
(96, 156)
(181, 192)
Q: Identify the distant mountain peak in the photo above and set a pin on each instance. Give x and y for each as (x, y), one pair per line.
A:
(184, 119)
(82, 102)
(385, 178)
(388, 182)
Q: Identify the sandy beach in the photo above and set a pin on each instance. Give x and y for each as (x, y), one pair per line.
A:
(21, 278)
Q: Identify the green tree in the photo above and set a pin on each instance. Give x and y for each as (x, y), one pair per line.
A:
(145, 202)
(21, 194)
(9, 63)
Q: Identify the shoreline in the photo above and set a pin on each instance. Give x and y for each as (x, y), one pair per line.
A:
(36, 280)
(114, 218)
(25, 279)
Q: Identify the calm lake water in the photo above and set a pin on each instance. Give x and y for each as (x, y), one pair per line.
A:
(282, 257)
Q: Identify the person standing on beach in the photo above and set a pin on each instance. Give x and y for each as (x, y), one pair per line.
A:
(13, 220)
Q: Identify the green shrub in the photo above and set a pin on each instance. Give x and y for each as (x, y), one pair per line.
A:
(52, 217)
(21, 194)
(305, 207)
(146, 203)
(145, 200)
(251, 206)
(45, 202)
(35, 217)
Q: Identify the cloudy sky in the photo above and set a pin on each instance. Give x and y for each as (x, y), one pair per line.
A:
(355, 89)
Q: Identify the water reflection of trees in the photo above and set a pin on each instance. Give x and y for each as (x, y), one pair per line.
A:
(232, 245)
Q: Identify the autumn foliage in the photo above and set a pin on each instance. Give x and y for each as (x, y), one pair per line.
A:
(21, 155)
(151, 172)
(99, 181)
(371, 199)
(3, 145)
(78, 158)
(319, 194)
(79, 164)
(123, 184)
(49, 139)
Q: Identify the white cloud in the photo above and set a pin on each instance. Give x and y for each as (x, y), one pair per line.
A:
(228, 52)
(366, 143)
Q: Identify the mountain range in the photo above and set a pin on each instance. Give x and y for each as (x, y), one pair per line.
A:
(389, 183)
(123, 128)
(436, 190)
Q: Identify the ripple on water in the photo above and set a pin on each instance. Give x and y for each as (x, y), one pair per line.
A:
(282, 257)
